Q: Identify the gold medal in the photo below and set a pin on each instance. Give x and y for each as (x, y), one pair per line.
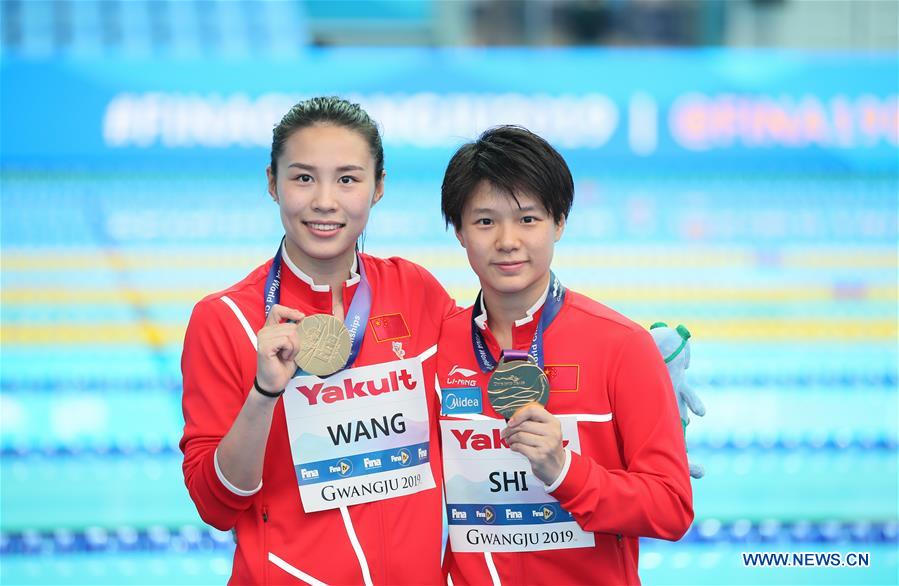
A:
(516, 383)
(324, 345)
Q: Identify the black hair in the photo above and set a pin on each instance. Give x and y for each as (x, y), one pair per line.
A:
(328, 110)
(513, 159)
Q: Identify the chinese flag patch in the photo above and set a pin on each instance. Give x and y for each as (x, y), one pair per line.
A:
(389, 327)
(563, 378)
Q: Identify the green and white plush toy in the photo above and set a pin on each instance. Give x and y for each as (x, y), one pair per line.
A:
(674, 344)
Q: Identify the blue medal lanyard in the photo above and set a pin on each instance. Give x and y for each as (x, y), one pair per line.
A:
(554, 299)
(356, 316)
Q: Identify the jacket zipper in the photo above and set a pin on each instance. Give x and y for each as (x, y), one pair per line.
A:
(622, 558)
(265, 562)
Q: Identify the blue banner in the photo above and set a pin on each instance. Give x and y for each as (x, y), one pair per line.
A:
(699, 107)
(362, 464)
(507, 514)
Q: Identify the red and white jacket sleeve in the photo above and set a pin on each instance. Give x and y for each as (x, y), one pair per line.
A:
(214, 393)
(652, 497)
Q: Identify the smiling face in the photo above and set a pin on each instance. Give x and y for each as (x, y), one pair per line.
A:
(509, 247)
(325, 188)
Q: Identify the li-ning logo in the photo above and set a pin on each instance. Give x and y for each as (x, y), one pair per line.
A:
(463, 372)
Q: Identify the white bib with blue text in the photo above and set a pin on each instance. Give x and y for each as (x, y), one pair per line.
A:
(493, 500)
(359, 435)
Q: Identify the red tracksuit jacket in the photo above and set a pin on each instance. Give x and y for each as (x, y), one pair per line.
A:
(277, 542)
(631, 478)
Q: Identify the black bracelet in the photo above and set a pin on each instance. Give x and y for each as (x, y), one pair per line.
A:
(268, 394)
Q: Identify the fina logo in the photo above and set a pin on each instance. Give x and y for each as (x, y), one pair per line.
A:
(459, 515)
(405, 457)
(488, 514)
(345, 467)
(548, 514)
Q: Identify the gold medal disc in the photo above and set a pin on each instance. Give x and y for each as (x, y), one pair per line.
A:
(516, 383)
(324, 345)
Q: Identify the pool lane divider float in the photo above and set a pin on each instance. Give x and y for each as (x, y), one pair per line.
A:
(826, 381)
(200, 538)
(829, 443)
(159, 336)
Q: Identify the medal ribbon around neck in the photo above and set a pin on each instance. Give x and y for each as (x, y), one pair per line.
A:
(554, 299)
(356, 316)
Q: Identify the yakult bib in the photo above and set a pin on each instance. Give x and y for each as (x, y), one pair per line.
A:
(493, 500)
(360, 435)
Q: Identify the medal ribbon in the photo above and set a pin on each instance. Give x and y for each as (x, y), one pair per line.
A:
(356, 316)
(554, 298)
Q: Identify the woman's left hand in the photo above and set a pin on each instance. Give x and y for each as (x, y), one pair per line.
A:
(536, 434)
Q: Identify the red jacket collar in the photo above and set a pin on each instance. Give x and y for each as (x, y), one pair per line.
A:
(522, 330)
(301, 285)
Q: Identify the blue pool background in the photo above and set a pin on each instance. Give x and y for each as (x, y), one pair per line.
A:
(775, 244)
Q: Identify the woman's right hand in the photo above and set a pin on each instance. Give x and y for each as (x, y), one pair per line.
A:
(277, 344)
